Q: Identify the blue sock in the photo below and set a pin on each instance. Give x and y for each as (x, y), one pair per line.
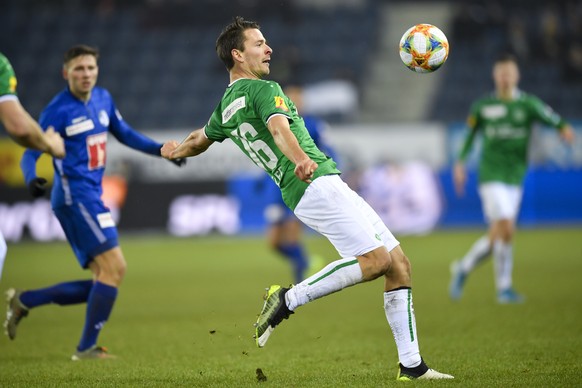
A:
(62, 294)
(295, 253)
(99, 306)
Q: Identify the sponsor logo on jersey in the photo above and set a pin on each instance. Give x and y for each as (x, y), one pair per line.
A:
(96, 150)
(493, 112)
(103, 118)
(232, 108)
(280, 104)
(12, 82)
(105, 220)
(79, 127)
(505, 132)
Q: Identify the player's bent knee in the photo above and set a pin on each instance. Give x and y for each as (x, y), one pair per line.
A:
(375, 263)
(400, 262)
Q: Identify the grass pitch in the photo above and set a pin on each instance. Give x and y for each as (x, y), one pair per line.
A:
(185, 312)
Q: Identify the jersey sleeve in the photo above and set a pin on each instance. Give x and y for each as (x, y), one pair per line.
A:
(7, 80)
(129, 136)
(472, 126)
(270, 100)
(28, 164)
(544, 113)
(213, 129)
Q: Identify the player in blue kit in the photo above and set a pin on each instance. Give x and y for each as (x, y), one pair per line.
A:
(284, 228)
(83, 115)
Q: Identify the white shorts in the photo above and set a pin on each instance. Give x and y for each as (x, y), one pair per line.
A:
(500, 201)
(331, 208)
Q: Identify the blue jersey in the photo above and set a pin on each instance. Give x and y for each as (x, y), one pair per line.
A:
(84, 127)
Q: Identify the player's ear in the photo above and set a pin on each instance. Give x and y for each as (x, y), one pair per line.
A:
(237, 55)
(65, 73)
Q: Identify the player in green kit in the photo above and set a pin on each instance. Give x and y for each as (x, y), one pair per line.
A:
(21, 127)
(264, 123)
(505, 121)
(18, 123)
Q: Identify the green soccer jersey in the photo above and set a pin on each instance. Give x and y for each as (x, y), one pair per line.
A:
(7, 78)
(506, 127)
(242, 116)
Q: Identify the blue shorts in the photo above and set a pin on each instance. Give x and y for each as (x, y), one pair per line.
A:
(276, 211)
(89, 229)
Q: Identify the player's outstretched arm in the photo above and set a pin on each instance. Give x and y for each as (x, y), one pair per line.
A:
(288, 144)
(26, 131)
(195, 144)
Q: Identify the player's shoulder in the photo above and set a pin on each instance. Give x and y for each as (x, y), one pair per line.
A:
(5, 64)
(487, 98)
(527, 97)
(256, 83)
(60, 101)
(101, 93)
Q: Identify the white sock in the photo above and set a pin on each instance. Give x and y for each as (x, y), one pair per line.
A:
(400, 315)
(332, 278)
(477, 253)
(3, 250)
(503, 260)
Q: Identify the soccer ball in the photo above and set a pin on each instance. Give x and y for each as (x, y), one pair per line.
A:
(424, 48)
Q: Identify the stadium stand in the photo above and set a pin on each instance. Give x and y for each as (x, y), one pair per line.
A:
(546, 37)
(158, 57)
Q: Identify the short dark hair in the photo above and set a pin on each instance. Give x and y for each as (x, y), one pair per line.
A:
(506, 57)
(232, 37)
(78, 50)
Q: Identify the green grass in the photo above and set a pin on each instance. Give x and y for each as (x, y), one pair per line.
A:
(185, 312)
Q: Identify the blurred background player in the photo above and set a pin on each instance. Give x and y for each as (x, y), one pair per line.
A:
(505, 120)
(83, 114)
(22, 127)
(284, 230)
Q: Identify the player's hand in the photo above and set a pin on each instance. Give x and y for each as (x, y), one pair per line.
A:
(37, 187)
(178, 162)
(168, 148)
(55, 143)
(459, 178)
(304, 170)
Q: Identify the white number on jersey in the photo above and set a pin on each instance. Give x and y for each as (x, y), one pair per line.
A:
(260, 153)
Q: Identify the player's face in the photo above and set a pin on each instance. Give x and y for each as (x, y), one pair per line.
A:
(81, 73)
(506, 75)
(257, 54)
